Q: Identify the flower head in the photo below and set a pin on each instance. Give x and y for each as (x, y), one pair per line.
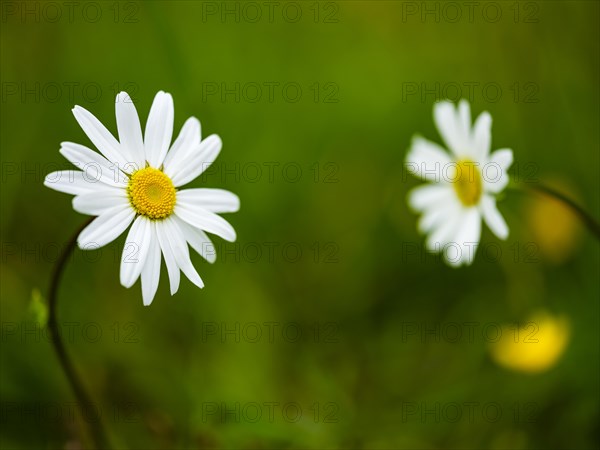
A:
(136, 180)
(463, 183)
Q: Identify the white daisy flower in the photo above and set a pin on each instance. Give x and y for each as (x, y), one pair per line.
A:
(136, 180)
(464, 183)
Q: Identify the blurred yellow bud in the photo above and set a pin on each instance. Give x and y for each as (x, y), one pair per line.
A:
(533, 346)
(555, 227)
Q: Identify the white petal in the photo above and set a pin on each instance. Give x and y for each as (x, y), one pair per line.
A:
(495, 171)
(181, 252)
(462, 249)
(167, 252)
(73, 182)
(428, 160)
(439, 213)
(159, 129)
(429, 195)
(207, 221)
(503, 157)
(493, 218)
(104, 141)
(96, 203)
(198, 240)
(130, 131)
(186, 142)
(451, 125)
(214, 200)
(151, 269)
(135, 251)
(464, 117)
(93, 163)
(495, 180)
(198, 160)
(482, 136)
(445, 232)
(106, 227)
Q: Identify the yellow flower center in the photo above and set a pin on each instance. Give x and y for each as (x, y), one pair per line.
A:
(467, 182)
(151, 193)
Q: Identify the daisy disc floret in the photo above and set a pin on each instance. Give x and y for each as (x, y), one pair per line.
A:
(151, 193)
(137, 181)
(463, 183)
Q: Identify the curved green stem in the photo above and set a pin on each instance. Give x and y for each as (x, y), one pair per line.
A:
(95, 423)
(591, 223)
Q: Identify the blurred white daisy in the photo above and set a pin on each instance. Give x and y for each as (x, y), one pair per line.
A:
(464, 183)
(136, 180)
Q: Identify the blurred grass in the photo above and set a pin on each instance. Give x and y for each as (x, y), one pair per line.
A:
(174, 370)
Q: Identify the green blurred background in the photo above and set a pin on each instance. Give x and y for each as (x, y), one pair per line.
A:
(328, 257)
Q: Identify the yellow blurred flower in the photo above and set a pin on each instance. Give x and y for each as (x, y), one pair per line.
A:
(556, 229)
(533, 346)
